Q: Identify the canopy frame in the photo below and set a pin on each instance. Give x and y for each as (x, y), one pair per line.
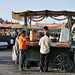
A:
(45, 13)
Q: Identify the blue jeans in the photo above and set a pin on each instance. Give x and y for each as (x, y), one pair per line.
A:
(22, 57)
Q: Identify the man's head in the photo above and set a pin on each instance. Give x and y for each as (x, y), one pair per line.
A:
(46, 33)
(45, 28)
(23, 33)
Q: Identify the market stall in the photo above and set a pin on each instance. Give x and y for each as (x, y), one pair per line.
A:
(61, 55)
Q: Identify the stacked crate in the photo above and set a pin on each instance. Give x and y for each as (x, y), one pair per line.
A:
(63, 44)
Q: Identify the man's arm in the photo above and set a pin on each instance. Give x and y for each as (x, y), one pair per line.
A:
(23, 38)
(50, 43)
(40, 42)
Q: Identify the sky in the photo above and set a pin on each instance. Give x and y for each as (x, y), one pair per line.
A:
(7, 6)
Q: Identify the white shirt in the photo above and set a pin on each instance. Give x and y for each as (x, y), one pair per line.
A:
(45, 44)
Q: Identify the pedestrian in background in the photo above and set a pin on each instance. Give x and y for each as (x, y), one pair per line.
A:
(17, 47)
(15, 51)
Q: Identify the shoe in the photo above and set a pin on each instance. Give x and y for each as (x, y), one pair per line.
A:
(21, 69)
(18, 62)
(41, 71)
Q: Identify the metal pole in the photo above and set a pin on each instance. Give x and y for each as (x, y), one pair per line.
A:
(30, 23)
(69, 27)
(25, 23)
(69, 30)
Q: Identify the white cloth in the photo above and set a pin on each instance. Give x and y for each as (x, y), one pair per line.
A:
(73, 27)
(45, 44)
(15, 49)
(14, 55)
(3, 43)
(73, 38)
(17, 41)
(64, 36)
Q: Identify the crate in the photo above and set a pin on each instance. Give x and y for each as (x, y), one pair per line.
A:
(63, 44)
(32, 43)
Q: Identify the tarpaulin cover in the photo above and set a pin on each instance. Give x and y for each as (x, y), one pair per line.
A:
(32, 26)
(19, 15)
(50, 26)
(9, 25)
(64, 36)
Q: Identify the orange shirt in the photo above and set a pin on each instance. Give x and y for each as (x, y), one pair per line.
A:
(22, 42)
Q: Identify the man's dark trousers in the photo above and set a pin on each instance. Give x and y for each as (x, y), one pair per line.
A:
(44, 62)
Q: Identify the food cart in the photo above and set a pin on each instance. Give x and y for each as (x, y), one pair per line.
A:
(62, 56)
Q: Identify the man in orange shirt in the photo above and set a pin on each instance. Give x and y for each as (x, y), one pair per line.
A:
(22, 49)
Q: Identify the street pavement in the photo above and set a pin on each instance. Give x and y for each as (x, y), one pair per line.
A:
(7, 66)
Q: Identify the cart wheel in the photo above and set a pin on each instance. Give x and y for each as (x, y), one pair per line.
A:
(28, 66)
(63, 63)
(24, 64)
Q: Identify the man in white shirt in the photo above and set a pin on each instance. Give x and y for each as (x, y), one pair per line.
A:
(45, 44)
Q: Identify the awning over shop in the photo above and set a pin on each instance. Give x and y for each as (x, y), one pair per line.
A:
(55, 29)
(49, 26)
(44, 13)
(11, 25)
(37, 26)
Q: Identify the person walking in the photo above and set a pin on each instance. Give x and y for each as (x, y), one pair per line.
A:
(22, 50)
(15, 50)
(45, 44)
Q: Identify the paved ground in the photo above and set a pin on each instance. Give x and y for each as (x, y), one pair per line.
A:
(7, 67)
